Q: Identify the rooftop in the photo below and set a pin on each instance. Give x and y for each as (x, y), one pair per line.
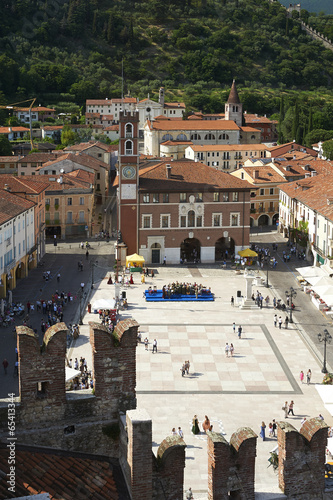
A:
(178, 124)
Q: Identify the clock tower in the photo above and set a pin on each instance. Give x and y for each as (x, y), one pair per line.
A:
(128, 196)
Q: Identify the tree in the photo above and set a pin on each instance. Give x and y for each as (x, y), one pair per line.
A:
(281, 118)
(5, 146)
(68, 137)
(295, 121)
(328, 149)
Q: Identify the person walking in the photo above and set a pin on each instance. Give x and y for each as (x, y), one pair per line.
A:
(154, 345)
(285, 409)
(286, 321)
(226, 350)
(58, 277)
(183, 370)
(195, 425)
(232, 301)
(146, 342)
(189, 494)
(280, 322)
(274, 427)
(231, 350)
(187, 366)
(291, 408)
(262, 430)
(5, 365)
(240, 329)
(164, 261)
(308, 376)
(301, 377)
(234, 327)
(275, 320)
(87, 255)
(180, 432)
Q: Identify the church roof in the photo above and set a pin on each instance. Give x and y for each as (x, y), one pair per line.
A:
(233, 96)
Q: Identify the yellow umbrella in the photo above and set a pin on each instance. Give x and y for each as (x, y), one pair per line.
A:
(247, 253)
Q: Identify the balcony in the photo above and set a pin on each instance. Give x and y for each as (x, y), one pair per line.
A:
(261, 210)
(238, 157)
(9, 266)
(253, 211)
(54, 222)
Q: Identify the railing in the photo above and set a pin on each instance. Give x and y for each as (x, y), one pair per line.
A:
(32, 250)
(9, 266)
(238, 157)
(253, 211)
(128, 135)
(129, 151)
(55, 222)
(319, 251)
(261, 210)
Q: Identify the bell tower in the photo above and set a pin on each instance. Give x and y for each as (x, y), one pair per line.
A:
(128, 161)
(233, 107)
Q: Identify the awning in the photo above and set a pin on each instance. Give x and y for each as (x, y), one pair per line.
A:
(309, 271)
(323, 290)
(71, 373)
(247, 253)
(134, 259)
(104, 304)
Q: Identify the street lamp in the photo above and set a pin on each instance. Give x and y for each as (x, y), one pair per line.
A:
(269, 265)
(326, 338)
(82, 295)
(93, 264)
(291, 293)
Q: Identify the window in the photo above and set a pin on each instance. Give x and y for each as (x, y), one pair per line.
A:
(199, 221)
(242, 175)
(195, 137)
(225, 196)
(23, 246)
(165, 220)
(156, 198)
(146, 198)
(98, 176)
(235, 196)
(216, 196)
(81, 216)
(47, 201)
(69, 201)
(225, 164)
(128, 147)
(165, 197)
(167, 137)
(262, 192)
(190, 218)
(198, 197)
(128, 130)
(183, 221)
(181, 137)
(235, 219)
(324, 227)
(81, 200)
(147, 221)
(23, 223)
(318, 225)
(324, 247)
(14, 252)
(56, 217)
(271, 190)
(217, 219)
(69, 217)
(56, 202)
(182, 197)
(224, 137)
(209, 137)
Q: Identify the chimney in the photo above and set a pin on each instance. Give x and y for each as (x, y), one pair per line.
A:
(168, 170)
(294, 157)
(256, 174)
(313, 173)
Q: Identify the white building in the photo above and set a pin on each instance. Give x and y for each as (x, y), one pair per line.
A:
(17, 239)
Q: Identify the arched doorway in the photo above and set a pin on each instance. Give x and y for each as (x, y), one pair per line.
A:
(19, 273)
(222, 245)
(263, 220)
(251, 221)
(155, 253)
(190, 250)
(275, 219)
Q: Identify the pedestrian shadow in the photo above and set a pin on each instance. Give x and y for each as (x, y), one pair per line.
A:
(194, 375)
(237, 356)
(194, 447)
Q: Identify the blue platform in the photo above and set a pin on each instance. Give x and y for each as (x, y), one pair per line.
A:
(157, 296)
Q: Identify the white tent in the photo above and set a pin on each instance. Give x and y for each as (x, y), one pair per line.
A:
(328, 299)
(104, 304)
(325, 281)
(71, 373)
(310, 271)
(314, 280)
(322, 290)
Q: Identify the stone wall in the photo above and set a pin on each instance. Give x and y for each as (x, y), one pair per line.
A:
(168, 470)
(84, 421)
(231, 467)
(302, 459)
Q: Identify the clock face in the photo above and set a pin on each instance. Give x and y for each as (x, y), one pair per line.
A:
(128, 172)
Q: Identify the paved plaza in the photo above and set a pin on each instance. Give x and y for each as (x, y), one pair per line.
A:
(244, 390)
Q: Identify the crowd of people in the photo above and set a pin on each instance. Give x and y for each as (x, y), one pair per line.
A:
(83, 381)
(206, 425)
(177, 288)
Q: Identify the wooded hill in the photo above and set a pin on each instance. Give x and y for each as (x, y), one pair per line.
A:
(63, 53)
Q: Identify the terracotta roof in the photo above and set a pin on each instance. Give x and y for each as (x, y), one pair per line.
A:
(249, 129)
(230, 147)
(107, 117)
(52, 127)
(174, 105)
(98, 102)
(34, 110)
(196, 116)
(6, 130)
(64, 476)
(186, 175)
(112, 127)
(290, 147)
(92, 115)
(80, 159)
(209, 125)
(125, 100)
(252, 118)
(266, 174)
(39, 157)
(313, 192)
(82, 146)
(12, 205)
(28, 184)
(233, 96)
(6, 159)
(69, 181)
